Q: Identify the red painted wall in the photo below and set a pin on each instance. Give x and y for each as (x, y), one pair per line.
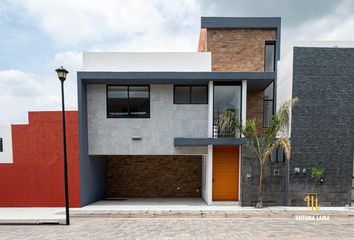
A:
(36, 177)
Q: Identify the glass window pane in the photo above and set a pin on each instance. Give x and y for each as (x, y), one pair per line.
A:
(281, 156)
(139, 92)
(268, 92)
(227, 102)
(117, 107)
(199, 94)
(182, 94)
(1, 145)
(117, 92)
(268, 112)
(269, 63)
(139, 107)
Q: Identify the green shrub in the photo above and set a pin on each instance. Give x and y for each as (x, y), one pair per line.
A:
(317, 173)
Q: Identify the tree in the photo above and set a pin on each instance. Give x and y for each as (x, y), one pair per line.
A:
(262, 144)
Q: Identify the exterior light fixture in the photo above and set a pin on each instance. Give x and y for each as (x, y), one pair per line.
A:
(62, 72)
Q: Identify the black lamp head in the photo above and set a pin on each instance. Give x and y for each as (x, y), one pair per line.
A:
(62, 72)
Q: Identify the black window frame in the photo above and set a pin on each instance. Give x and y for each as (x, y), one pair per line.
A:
(241, 99)
(1, 145)
(190, 94)
(265, 125)
(274, 43)
(129, 115)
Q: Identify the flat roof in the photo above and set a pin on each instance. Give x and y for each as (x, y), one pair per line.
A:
(255, 80)
(241, 22)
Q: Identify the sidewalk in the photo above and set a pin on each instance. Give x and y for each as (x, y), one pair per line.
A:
(111, 209)
(32, 215)
(194, 208)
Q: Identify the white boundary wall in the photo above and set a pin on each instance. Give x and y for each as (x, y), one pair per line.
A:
(146, 62)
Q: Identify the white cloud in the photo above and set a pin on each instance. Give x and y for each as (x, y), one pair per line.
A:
(105, 23)
(69, 59)
(16, 82)
(21, 92)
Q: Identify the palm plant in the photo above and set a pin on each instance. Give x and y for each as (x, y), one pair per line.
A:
(228, 123)
(263, 144)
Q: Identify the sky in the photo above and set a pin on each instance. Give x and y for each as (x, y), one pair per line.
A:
(37, 36)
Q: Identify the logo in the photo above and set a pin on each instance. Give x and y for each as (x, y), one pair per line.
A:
(312, 202)
(313, 206)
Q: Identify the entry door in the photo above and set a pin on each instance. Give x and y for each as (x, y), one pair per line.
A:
(225, 173)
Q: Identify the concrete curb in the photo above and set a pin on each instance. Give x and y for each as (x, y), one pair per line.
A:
(204, 214)
(31, 221)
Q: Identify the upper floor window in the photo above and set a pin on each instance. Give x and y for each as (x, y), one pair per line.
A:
(1, 145)
(190, 94)
(227, 110)
(128, 101)
(278, 155)
(268, 105)
(269, 56)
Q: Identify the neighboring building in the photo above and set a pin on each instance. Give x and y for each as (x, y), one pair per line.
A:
(35, 177)
(5, 144)
(322, 124)
(147, 121)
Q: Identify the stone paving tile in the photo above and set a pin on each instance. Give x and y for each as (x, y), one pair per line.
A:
(184, 228)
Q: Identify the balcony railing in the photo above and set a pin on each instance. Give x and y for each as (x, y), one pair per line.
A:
(218, 133)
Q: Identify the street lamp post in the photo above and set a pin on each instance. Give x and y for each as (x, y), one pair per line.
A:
(62, 72)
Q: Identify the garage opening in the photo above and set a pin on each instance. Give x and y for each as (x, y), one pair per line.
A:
(154, 176)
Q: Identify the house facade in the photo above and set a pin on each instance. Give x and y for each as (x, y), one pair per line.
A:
(148, 122)
(148, 125)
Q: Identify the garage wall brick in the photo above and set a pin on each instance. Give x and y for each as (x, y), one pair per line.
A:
(154, 176)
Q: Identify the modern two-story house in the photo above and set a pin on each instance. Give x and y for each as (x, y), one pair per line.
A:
(148, 121)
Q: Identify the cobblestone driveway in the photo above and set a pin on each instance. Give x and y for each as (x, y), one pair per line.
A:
(185, 228)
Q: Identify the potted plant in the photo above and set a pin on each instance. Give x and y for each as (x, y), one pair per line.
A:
(317, 173)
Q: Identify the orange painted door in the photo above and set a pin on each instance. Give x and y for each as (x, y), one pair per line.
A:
(225, 173)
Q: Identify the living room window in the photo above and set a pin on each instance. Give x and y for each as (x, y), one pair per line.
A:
(269, 56)
(128, 101)
(187, 94)
(268, 105)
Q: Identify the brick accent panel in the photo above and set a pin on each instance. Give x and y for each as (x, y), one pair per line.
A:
(238, 50)
(255, 108)
(154, 176)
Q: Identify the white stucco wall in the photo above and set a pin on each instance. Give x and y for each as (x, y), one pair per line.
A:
(6, 135)
(149, 61)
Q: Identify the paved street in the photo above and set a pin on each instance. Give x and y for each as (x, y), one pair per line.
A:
(185, 228)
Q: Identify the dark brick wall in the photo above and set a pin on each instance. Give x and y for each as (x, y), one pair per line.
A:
(323, 124)
(154, 176)
(274, 185)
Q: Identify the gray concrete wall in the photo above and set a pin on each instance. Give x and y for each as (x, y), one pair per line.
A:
(274, 185)
(323, 124)
(113, 136)
(93, 179)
